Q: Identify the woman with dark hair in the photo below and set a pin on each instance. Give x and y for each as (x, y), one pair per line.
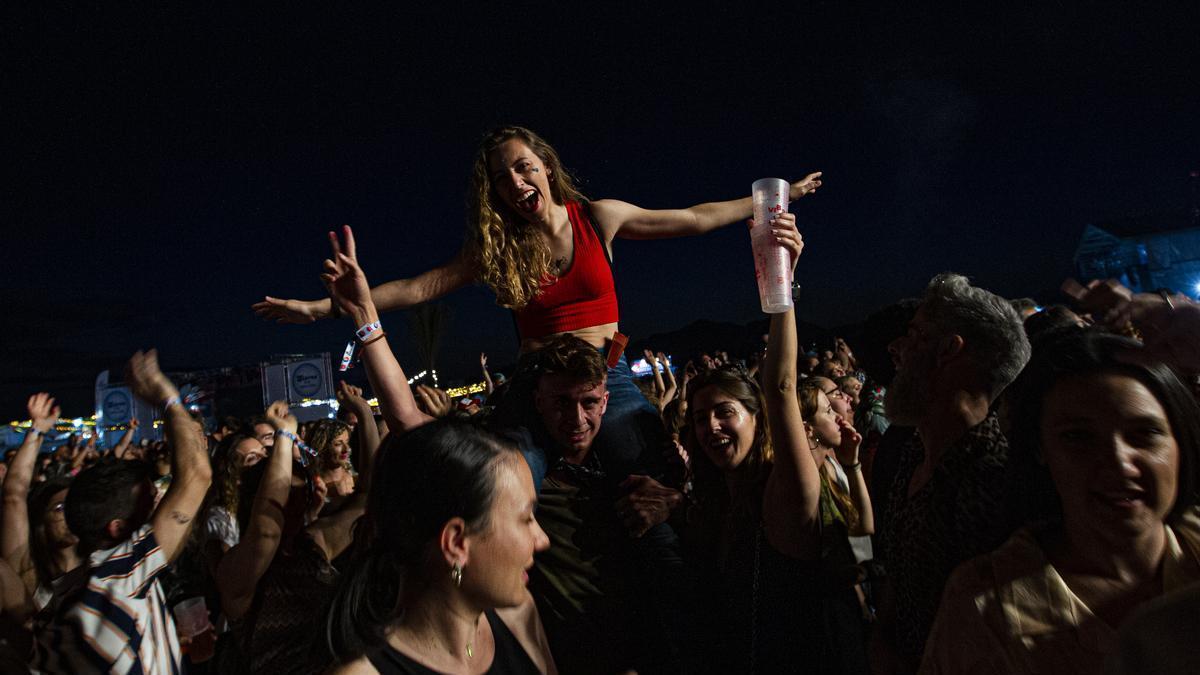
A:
(439, 582)
(758, 517)
(1114, 439)
(546, 252)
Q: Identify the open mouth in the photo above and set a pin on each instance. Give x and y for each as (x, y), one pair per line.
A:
(529, 201)
(1127, 497)
(720, 443)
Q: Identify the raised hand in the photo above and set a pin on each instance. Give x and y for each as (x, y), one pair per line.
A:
(434, 401)
(672, 387)
(317, 502)
(847, 449)
(805, 186)
(281, 418)
(291, 311)
(343, 277)
(146, 379)
(783, 227)
(483, 359)
(349, 394)
(43, 412)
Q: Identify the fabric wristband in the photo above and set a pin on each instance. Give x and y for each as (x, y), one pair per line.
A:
(306, 450)
(366, 330)
(172, 400)
(36, 432)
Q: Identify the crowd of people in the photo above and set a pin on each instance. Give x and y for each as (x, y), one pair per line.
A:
(977, 486)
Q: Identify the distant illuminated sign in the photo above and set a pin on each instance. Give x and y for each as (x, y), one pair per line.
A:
(306, 379)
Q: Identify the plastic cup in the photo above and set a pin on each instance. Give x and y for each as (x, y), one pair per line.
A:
(772, 263)
(191, 617)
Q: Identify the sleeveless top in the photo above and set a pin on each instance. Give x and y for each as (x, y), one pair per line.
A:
(585, 295)
(510, 655)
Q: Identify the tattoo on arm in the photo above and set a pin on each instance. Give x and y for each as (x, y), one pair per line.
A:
(180, 517)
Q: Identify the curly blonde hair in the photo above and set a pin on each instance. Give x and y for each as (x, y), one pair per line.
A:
(320, 438)
(509, 252)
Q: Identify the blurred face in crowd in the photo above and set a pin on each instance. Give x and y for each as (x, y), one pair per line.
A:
(724, 428)
(570, 410)
(54, 523)
(520, 179)
(351, 419)
(251, 451)
(831, 369)
(810, 363)
(915, 356)
(265, 433)
(1109, 446)
(340, 446)
(824, 423)
(500, 556)
(837, 398)
(853, 390)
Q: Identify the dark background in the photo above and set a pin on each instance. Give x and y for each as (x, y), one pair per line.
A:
(170, 166)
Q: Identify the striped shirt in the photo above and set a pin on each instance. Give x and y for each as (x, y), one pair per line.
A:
(113, 616)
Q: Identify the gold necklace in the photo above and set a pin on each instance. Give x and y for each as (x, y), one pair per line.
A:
(470, 651)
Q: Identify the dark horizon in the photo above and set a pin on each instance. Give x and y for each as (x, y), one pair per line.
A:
(178, 164)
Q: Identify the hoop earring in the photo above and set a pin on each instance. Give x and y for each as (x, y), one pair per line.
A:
(456, 574)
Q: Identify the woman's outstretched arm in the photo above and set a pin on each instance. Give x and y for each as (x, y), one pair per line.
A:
(396, 294)
(622, 219)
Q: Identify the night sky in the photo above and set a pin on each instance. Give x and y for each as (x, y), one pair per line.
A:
(168, 168)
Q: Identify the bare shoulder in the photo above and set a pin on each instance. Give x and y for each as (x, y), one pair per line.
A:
(359, 666)
(611, 214)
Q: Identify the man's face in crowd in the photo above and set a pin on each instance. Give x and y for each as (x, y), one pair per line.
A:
(915, 356)
(265, 433)
(571, 410)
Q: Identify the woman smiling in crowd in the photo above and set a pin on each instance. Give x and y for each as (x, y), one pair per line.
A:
(1119, 437)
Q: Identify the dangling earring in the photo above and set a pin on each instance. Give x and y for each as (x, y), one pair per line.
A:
(456, 574)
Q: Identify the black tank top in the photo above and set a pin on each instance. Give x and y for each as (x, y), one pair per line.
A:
(510, 655)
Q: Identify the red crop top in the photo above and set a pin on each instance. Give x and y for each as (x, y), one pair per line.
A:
(584, 296)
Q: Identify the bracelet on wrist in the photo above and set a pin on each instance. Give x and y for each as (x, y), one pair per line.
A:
(172, 400)
(856, 466)
(374, 338)
(35, 431)
(304, 447)
(366, 330)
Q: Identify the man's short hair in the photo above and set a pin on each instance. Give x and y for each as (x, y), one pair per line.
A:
(99, 495)
(572, 357)
(991, 329)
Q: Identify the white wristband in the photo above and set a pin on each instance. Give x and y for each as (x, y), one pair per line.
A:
(366, 330)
